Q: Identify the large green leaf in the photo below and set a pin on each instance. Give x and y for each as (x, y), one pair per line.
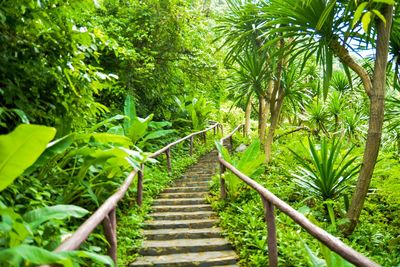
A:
(313, 258)
(101, 259)
(138, 128)
(251, 159)
(105, 138)
(59, 212)
(20, 149)
(129, 112)
(14, 256)
(13, 226)
(103, 157)
(155, 135)
(223, 151)
(107, 122)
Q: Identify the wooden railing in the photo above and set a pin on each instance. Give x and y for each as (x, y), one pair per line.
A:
(106, 215)
(270, 201)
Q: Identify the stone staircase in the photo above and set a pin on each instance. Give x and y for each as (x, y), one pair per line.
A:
(182, 231)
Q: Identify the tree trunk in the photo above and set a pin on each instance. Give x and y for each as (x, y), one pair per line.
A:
(276, 102)
(377, 102)
(272, 128)
(262, 117)
(247, 117)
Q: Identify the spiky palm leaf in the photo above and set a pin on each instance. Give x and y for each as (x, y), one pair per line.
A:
(239, 28)
(325, 172)
(313, 26)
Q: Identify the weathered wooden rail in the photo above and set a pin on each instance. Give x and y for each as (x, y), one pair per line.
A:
(106, 215)
(270, 201)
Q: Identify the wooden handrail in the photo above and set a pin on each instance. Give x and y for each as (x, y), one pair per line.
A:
(230, 135)
(106, 212)
(270, 201)
(222, 186)
(164, 149)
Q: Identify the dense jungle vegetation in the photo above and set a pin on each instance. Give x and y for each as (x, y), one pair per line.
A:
(89, 88)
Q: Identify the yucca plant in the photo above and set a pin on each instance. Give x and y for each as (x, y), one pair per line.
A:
(353, 125)
(317, 116)
(340, 82)
(326, 171)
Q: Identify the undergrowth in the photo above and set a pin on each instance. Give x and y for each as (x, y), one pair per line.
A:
(242, 218)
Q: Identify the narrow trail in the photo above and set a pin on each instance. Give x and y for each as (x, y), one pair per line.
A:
(182, 230)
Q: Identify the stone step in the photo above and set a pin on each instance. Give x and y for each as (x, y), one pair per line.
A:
(186, 189)
(195, 174)
(181, 183)
(203, 259)
(193, 181)
(165, 247)
(167, 224)
(179, 201)
(194, 178)
(182, 215)
(178, 208)
(182, 233)
(182, 230)
(182, 195)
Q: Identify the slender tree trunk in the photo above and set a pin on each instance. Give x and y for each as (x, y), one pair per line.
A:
(277, 97)
(377, 102)
(262, 117)
(273, 126)
(247, 117)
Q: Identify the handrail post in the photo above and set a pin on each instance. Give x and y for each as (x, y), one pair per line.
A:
(205, 137)
(191, 146)
(110, 231)
(231, 143)
(140, 186)
(168, 154)
(222, 181)
(271, 229)
(214, 129)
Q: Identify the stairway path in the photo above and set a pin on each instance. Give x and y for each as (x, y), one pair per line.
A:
(182, 230)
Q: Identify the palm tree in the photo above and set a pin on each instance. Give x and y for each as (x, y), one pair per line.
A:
(321, 27)
(239, 30)
(250, 74)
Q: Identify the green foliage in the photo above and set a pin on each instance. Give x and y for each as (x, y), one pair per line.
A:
(243, 223)
(372, 11)
(340, 82)
(249, 163)
(134, 127)
(59, 78)
(140, 131)
(18, 232)
(30, 254)
(354, 125)
(38, 216)
(331, 259)
(317, 116)
(392, 115)
(20, 149)
(195, 111)
(325, 172)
